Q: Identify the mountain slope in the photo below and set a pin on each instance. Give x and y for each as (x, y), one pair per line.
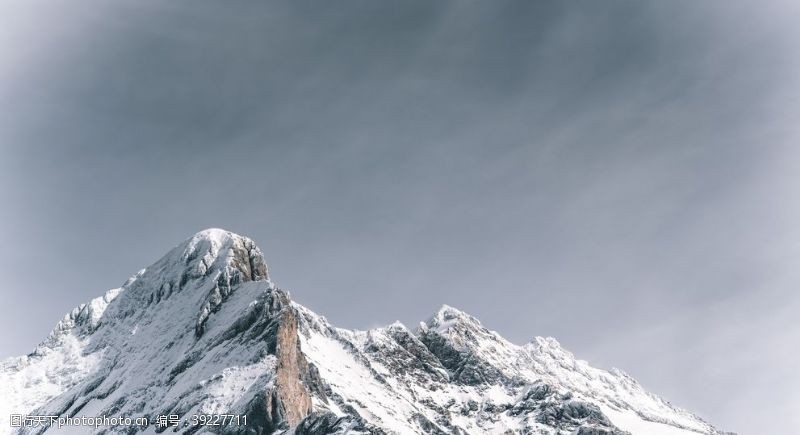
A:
(204, 331)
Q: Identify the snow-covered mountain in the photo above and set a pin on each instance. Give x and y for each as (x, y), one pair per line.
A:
(204, 331)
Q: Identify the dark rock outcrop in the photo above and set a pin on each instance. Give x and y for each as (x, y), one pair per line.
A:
(288, 400)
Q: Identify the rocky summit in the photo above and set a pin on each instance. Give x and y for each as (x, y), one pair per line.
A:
(204, 332)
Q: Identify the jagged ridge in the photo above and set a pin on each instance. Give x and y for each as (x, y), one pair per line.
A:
(204, 330)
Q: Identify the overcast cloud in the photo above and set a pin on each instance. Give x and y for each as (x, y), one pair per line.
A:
(620, 175)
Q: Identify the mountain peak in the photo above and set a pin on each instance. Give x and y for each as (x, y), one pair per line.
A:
(446, 317)
(218, 236)
(205, 269)
(218, 249)
(215, 234)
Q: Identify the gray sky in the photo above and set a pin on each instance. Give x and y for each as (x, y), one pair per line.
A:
(621, 175)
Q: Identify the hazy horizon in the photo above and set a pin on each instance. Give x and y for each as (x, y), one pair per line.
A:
(618, 175)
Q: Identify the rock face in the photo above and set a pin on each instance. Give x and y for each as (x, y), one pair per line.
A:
(286, 400)
(291, 395)
(204, 331)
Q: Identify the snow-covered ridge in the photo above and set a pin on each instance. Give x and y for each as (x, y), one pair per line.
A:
(57, 363)
(204, 330)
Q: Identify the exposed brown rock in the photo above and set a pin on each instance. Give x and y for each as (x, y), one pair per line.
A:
(288, 399)
(292, 366)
